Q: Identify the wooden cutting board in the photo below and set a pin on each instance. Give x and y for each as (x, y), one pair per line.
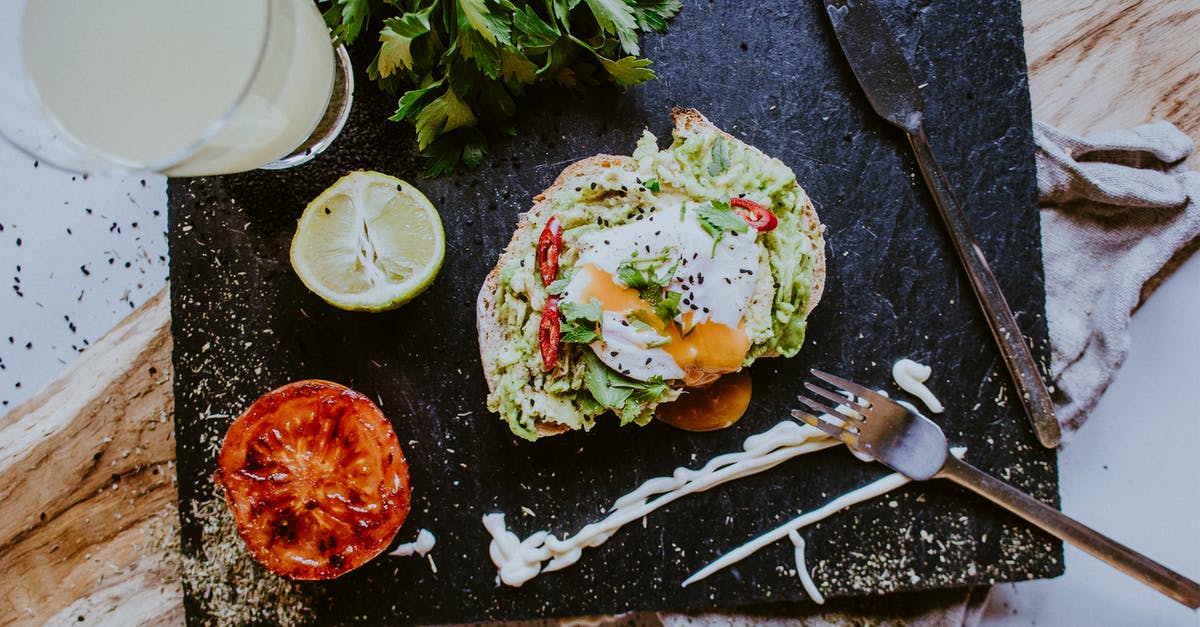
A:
(86, 467)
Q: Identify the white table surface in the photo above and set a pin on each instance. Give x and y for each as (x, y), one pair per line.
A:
(91, 250)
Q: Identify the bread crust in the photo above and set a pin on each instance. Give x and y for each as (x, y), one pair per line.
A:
(488, 321)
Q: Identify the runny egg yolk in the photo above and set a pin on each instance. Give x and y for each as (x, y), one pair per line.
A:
(703, 353)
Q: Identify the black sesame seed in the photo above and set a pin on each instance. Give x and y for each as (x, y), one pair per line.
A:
(613, 353)
(705, 310)
(579, 189)
(599, 221)
(327, 211)
(728, 281)
(648, 360)
(593, 185)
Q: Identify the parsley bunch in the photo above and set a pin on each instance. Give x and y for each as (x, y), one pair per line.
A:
(460, 66)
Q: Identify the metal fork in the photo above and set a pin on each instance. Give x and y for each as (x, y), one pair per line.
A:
(915, 446)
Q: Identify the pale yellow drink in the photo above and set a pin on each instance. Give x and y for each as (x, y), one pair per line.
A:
(186, 87)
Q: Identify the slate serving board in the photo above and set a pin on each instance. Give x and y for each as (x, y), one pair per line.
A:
(768, 72)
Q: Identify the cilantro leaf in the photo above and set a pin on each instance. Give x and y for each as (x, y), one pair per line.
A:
(720, 157)
(668, 306)
(590, 312)
(718, 217)
(628, 397)
(600, 380)
(581, 321)
(652, 185)
(575, 333)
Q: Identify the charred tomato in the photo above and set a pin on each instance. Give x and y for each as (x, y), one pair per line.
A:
(315, 478)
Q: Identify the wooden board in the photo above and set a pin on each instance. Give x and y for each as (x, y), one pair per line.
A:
(1066, 43)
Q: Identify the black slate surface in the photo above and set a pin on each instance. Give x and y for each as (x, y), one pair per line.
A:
(768, 72)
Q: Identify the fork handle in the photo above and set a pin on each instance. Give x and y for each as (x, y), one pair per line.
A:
(1069, 530)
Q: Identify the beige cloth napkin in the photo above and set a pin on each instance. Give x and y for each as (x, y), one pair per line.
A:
(1116, 207)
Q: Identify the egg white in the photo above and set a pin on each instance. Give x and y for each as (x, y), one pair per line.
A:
(717, 284)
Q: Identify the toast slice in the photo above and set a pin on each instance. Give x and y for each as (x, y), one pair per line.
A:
(500, 333)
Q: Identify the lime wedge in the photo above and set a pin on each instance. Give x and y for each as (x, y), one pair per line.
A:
(371, 242)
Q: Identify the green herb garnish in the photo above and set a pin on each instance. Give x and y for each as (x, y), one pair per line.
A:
(581, 321)
(720, 157)
(460, 66)
(629, 398)
(718, 217)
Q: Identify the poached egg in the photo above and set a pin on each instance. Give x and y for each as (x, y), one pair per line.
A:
(715, 281)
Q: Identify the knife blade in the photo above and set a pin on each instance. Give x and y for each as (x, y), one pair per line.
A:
(886, 78)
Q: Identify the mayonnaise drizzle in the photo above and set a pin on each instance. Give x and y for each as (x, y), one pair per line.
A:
(421, 546)
(911, 377)
(810, 588)
(869, 491)
(520, 560)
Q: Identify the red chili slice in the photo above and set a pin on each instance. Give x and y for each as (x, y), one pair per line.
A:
(548, 247)
(548, 333)
(757, 216)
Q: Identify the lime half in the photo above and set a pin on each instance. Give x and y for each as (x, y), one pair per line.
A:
(371, 242)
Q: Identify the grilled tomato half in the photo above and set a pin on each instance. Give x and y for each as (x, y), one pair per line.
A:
(315, 478)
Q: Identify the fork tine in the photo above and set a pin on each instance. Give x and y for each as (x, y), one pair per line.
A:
(847, 437)
(850, 386)
(822, 407)
(833, 396)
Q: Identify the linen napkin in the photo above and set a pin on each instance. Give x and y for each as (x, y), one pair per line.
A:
(1116, 207)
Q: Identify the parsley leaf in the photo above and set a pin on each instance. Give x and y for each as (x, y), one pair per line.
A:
(629, 398)
(652, 185)
(718, 217)
(461, 66)
(575, 333)
(720, 157)
(581, 321)
(590, 312)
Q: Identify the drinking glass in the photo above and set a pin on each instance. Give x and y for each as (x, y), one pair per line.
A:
(180, 87)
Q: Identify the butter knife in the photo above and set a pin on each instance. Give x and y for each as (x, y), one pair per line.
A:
(886, 77)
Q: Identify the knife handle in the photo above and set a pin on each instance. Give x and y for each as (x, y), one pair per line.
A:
(1030, 387)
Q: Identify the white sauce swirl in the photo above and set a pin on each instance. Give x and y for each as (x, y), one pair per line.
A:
(421, 546)
(911, 377)
(520, 560)
(810, 588)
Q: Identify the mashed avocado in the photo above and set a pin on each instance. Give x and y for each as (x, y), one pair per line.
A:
(700, 165)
